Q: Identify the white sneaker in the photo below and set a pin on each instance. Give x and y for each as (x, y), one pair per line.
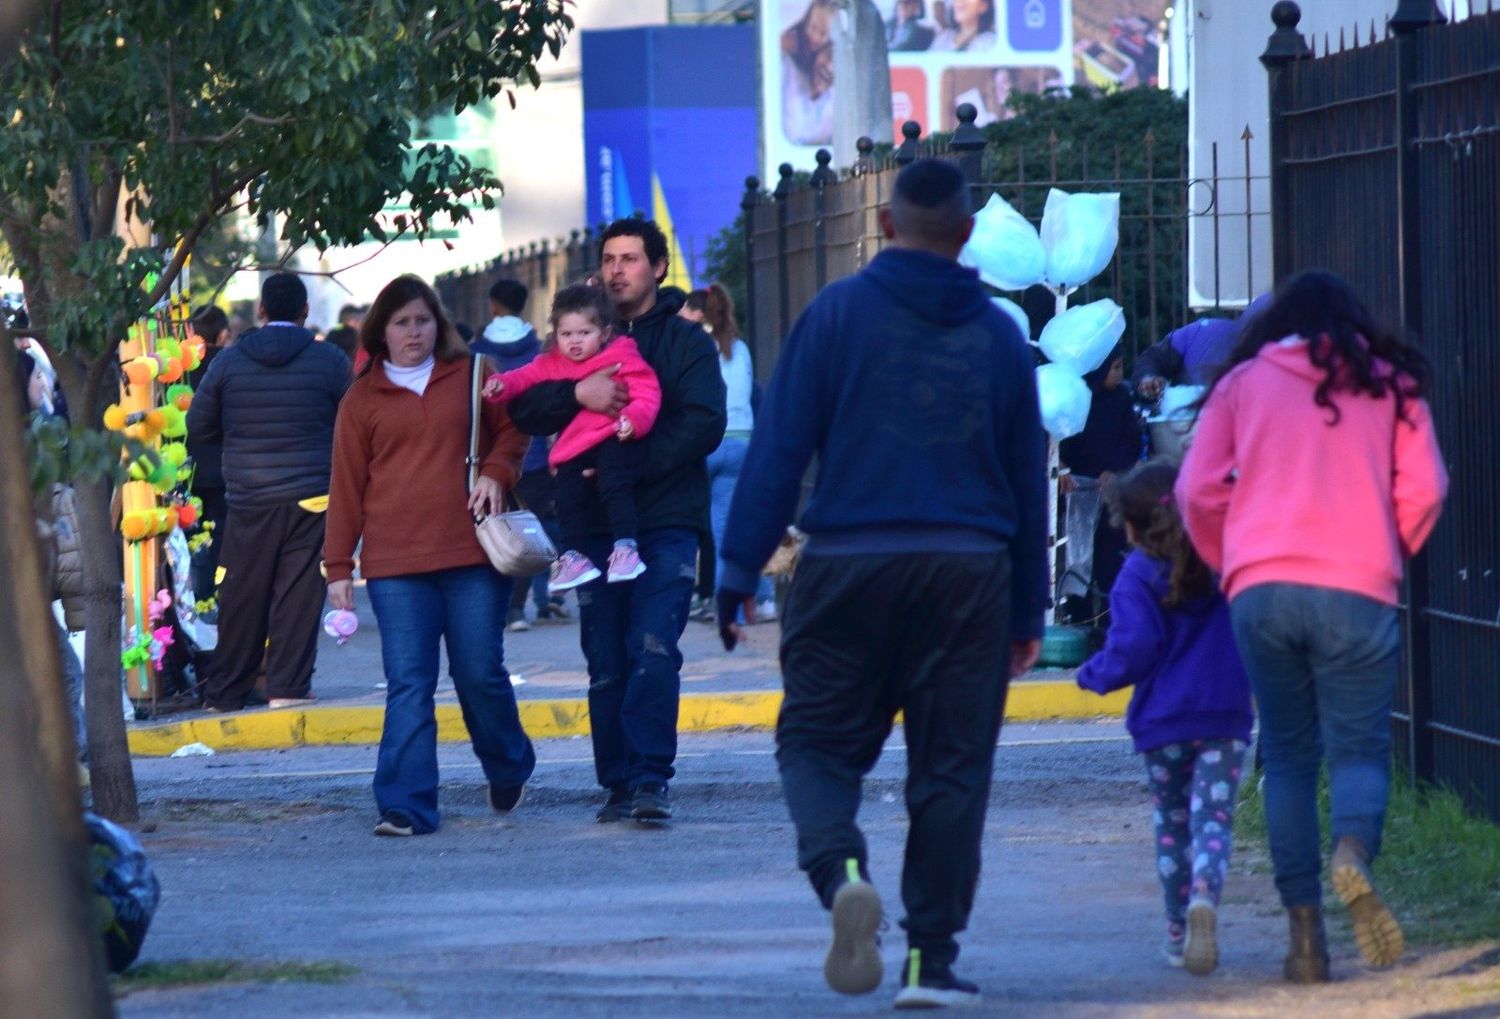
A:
(765, 611)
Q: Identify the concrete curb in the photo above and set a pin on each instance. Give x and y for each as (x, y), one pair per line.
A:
(1030, 700)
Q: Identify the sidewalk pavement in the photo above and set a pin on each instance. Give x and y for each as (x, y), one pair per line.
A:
(720, 690)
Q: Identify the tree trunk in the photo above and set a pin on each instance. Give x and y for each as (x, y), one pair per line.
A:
(110, 772)
(51, 961)
(109, 751)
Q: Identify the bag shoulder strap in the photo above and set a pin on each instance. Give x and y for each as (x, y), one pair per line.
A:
(476, 386)
(476, 390)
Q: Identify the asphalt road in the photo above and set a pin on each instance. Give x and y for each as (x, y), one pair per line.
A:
(268, 857)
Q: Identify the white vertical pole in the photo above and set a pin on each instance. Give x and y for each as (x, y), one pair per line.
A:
(1054, 501)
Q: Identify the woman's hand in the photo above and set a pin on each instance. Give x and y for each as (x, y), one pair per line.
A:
(487, 498)
(341, 594)
(625, 429)
(493, 387)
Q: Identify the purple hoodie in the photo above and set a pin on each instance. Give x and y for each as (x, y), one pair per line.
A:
(1189, 683)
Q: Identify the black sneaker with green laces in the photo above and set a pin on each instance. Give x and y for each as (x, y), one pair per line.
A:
(928, 984)
(853, 965)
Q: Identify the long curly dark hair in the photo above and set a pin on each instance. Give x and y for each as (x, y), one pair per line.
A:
(1142, 498)
(1343, 339)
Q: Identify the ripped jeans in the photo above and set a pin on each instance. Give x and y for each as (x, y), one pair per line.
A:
(629, 634)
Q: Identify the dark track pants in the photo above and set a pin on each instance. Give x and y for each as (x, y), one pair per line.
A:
(863, 638)
(272, 590)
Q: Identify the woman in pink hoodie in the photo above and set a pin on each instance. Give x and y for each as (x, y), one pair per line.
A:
(1313, 475)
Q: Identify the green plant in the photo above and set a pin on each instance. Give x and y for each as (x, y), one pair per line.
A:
(195, 972)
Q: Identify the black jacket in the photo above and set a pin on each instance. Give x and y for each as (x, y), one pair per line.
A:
(271, 400)
(1111, 438)
(674, 483)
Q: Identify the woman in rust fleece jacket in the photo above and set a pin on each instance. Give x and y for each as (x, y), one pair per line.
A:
(400, 483)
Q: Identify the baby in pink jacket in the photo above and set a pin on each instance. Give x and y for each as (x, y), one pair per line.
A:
(594, 451)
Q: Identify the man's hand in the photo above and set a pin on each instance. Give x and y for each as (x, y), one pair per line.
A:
(602, 392)
(1151, 387)
(341, 594)
(727, 604)
(1023, 655)
(487, 498)
(625, 429)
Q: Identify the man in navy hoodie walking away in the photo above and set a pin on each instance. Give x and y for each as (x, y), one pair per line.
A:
(922, 585)
(271, 400)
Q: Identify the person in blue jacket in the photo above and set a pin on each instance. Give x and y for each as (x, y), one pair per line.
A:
(923, 581)
(1170, 637)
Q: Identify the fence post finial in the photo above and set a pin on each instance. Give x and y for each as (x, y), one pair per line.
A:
(1414, 15)
(751, 197)
(911, 148)
(967, 137)
(865, 162)
(1286, 43)
(823, 175)
(784, 185)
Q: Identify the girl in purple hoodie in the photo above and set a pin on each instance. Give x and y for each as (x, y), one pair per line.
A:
(1170, 637)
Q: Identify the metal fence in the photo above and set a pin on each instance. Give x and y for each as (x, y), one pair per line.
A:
(1386, 169)
(545, 267)
(804, 234)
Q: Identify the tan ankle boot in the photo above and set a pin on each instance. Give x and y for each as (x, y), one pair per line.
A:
(1307, 959)
(1376, 931)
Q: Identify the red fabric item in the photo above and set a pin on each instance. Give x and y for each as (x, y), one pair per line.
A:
(589, 428)
(399, 476)
(1271, 492)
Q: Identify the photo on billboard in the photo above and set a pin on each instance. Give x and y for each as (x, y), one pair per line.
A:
(1030, 41)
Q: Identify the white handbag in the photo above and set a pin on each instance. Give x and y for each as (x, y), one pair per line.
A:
(515, 541)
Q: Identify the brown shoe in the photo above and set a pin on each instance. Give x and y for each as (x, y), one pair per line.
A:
(1307, 959)
(1376, 931)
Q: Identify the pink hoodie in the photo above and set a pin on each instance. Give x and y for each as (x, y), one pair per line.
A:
(1271, 493)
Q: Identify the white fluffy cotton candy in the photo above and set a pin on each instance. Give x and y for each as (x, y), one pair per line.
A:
(1080, 233)
(1065, 400)
(1004, 247)
(1082, 337)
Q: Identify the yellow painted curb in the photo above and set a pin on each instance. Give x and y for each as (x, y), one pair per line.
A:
(335, 726)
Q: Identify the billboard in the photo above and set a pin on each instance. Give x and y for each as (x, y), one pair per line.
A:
(941, 53)
(669, 130)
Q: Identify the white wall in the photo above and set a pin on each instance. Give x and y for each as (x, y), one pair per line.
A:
(1227, 92)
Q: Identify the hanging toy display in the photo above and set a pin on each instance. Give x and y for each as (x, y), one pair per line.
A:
(156, 501)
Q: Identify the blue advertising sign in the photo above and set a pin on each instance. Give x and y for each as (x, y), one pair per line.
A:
(670, 124)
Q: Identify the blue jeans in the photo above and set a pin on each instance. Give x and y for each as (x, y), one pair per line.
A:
(1323, 664)
(629, 634)
(466, 608)
(724, 466)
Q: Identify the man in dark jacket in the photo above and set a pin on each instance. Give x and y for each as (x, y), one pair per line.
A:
(271, 400)
(923, 581)
(630, 631)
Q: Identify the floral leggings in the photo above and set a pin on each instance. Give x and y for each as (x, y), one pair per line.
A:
(1194, 785)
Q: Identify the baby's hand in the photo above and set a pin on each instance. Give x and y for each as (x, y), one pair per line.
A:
(493, 387)
(625, 428)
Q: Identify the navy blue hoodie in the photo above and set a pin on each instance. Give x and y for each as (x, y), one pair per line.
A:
(1189, 682)
(918, 397)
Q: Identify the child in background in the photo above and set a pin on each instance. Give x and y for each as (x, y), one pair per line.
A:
(581, 344)
(1170, 637)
